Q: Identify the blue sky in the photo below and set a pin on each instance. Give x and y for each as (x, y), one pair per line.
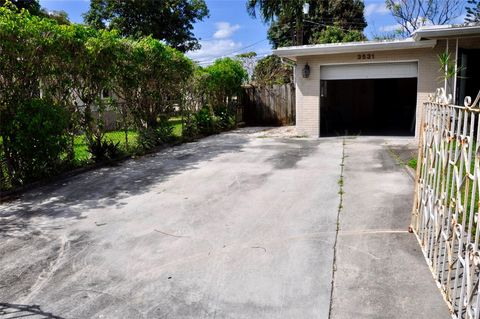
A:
(229, 29)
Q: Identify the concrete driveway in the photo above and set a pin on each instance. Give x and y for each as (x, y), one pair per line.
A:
(238, 225)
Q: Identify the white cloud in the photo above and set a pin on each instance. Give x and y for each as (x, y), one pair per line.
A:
(213, 49)
(375, 8)
(390, 27)
(225, 30)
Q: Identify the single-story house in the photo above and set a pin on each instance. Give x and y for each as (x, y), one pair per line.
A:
(378, 87)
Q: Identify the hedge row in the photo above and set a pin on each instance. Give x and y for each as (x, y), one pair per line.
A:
(56, 81)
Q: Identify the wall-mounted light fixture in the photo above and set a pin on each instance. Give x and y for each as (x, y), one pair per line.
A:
(306, 71)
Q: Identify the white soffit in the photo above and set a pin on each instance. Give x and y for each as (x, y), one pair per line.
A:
(353, 47)
(369, 71)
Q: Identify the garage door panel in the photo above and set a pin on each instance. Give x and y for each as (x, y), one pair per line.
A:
(369, 71)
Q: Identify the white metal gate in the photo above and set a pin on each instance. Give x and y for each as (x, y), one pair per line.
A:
(446, 209)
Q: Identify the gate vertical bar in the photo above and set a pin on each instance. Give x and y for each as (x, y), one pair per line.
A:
(446, 206)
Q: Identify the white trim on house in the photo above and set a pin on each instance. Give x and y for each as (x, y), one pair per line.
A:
(359, 71)
(352, 47)
(443, 31)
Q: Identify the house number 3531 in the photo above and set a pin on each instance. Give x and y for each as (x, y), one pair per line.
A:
(368, 56)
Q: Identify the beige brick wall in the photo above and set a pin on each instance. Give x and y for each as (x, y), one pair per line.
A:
(308, 90)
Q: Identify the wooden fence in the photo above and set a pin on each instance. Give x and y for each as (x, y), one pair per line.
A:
(268, 105)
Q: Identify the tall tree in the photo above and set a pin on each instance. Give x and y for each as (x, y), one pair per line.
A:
(413, 14)
(290, 26)
(33, 6)
(248, 60)
(473, 11)
(167, 20)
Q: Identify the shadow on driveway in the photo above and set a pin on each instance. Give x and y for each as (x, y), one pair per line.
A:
(107, 186)
(8, 310)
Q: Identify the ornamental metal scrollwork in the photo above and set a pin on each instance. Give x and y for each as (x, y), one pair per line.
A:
(468, 101)
(446, 209)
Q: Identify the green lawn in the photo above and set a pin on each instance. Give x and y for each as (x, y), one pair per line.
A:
(412, 163)
(81, 149)
(177, 126)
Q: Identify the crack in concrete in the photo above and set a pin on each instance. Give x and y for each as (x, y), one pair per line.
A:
(340, 206)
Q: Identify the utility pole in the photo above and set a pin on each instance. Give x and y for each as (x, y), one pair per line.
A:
(299, 24)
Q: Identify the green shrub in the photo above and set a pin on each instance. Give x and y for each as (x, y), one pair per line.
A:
(190, 128)
(225, 117)
(150, 137)
(34, 140)
(206, 121)
(147, 139)
(103, 150)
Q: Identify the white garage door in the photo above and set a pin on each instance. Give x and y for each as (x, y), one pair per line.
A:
(369, 71)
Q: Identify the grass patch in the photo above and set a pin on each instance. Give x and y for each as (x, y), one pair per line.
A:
(176, 122)
(81, 148)
(412, 163)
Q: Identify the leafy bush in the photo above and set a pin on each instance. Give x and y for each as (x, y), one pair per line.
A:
(190, 128)
(206, 121)
(147, 139)
(60, 87)
(270, 70)
(151, 74)
(103, 150)
(225, 117)
(34, 140)
(225, 79)
(336, 34)
(150, 137)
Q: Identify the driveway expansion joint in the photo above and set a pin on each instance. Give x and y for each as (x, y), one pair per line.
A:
(340, 206)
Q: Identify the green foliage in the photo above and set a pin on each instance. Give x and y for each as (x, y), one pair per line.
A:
(102, 149)
(270, 70)
(448, 70)
(224, 80)
(473, 11)
(447, 66)
(82, 155)
(34, 140)
(412, 163)
(206, 121)
(69, 67)
(225, 118)
(289, 26)
(335, 34)
(151, 78)
(61, 17)
(33, 6)
(148, 138)
(170, 21)
(213, 90)
(248, 60)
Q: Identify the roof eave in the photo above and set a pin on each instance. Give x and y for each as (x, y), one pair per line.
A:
(445, 33)
(293, 52)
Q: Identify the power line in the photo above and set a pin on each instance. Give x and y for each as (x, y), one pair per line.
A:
(230, 53)
(330, 25)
